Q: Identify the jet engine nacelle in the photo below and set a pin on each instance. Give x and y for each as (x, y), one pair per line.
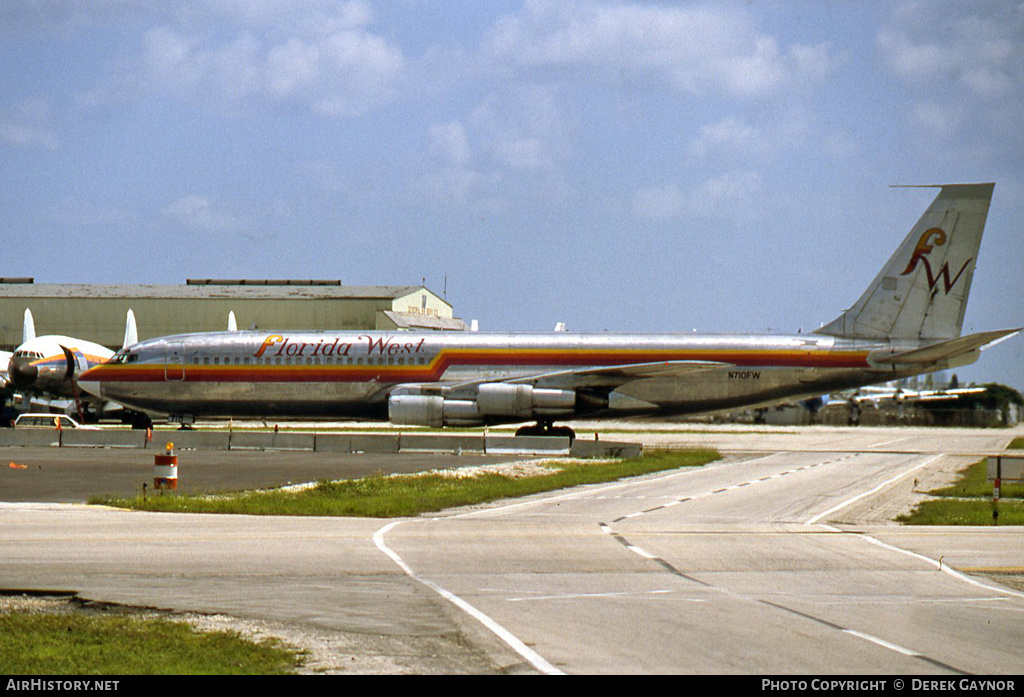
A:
(504, 401)
(434, 411)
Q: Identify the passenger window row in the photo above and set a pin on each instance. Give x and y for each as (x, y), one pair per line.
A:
(308, 360)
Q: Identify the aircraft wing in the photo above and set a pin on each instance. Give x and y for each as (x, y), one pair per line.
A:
(608, 377)
(613, 376)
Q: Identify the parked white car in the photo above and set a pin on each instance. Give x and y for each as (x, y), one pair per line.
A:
(51, 421)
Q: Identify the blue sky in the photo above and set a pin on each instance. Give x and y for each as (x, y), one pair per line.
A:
(610, 165)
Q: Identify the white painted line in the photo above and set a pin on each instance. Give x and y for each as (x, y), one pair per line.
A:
(941, 567)
(878, 488)
(592, 490)
(641, 552)
(945, 568)
(595, 491)
(883, 643)
(888, 442)
(609, 594)
(531, 656)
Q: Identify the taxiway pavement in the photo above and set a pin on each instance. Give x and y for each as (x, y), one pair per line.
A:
(778, 559)
(73, 475)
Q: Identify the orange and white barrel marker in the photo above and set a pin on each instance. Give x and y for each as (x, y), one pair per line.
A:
(165, 469)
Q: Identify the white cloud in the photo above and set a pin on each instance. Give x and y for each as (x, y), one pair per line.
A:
(738, 140)
(450, 143)
(226, 53)
(453, 179)
(975, 45)
(342, 74)
(522, 128)
(732, 196)
(961, 67)
(659, 202)
(729, 135)
(28, 125)
(323, 173)
(198, 213)
(936, 118)
(695, 49)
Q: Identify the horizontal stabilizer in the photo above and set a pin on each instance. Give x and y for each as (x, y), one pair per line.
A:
(944, 350)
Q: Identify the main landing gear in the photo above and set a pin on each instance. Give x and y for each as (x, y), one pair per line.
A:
(545, 428)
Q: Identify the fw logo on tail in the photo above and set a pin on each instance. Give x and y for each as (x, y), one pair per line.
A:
(921, 252)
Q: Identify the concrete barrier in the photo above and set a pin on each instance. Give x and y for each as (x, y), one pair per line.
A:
(604, 448)
(262, 440)
(191, 440)
(319, 442)
(333, 443)
(78, 438)
(526, 445)
(441, 443)
(356, 443)
(31, 438)
(374, 443)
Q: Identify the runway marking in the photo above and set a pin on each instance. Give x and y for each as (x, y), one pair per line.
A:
(866, 637)
(883, 643)
(732, 487)
(607, 529)
(852, 632)
(944, 568)
(594, 491)
(609, 594)
(878, 488)
(513, 642)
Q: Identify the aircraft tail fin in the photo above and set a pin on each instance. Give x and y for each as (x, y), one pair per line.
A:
(28, 327)
(232, 322)
(921, 292)
(131, 331)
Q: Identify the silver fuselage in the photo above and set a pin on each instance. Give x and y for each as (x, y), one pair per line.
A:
(352, 374)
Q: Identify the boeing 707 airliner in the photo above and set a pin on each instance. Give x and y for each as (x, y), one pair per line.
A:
(907, 322)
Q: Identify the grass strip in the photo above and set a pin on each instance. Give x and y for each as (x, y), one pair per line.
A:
(34, 643)
(974, 483)
(1016, 444)
(961, 512)
(383, 496)
(968, 501)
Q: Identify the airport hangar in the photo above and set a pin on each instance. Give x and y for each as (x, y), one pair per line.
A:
(98, 312)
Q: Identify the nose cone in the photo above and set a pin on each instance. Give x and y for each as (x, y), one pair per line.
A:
(22, 373)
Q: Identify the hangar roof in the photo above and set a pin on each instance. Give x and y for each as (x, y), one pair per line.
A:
(247, 290)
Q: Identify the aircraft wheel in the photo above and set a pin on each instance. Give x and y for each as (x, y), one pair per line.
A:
(561, 432)
(546, 429)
